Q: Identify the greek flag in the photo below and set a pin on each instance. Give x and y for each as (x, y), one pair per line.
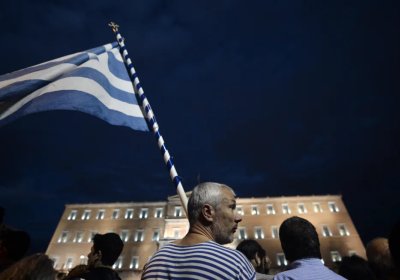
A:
(94, 81)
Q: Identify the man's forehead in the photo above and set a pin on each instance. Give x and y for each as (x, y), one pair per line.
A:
(228, 196)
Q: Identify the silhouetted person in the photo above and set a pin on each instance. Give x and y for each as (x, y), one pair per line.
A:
(35, 267)
(13, 246)
(300, 243)
(103, 254)
(394, 246)
(213, 221)
(379, 258)
(355, 268)
(257, 257)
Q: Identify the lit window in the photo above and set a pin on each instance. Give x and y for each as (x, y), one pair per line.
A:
(134, 263)
(258, 233)
(156, 235)
(326, 231)
(63, 237)
(125, 235)
(301, 208)
(91, 236)
(158, 213)
(129, 214)
(254, 210)
(177, 233)
(343, 230)
(83, 259)
(281, 260)
(78, 237)
(242, 234)
(239, 210)
(72, 215)
(333, 207)
(270, 209)
(178, 211)
(115, 214)
(118, 263)
(285, 208)
(139, 235)
(144, 212)
(100, 214)
(55, 262)
(86, 215)
(317, 207)
(68, 263)
(336, 257)
(274, 232)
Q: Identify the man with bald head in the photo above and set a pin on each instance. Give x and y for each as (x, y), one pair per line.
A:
(213, 221)
(379, 258)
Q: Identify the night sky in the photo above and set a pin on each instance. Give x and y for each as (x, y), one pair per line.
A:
(274, 98)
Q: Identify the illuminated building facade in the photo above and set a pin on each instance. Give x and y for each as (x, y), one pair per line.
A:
(144, 226)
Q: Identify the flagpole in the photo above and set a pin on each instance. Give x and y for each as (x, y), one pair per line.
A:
(150, 117)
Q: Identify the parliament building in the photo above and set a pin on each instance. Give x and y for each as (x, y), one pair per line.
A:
(144, 226)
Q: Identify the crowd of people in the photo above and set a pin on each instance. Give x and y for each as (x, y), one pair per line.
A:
(200, 254)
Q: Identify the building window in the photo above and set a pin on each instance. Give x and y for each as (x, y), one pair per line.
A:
(115, 214)
(242, 234)
(118, 263)
(258, 233)
(281, 260)
(156, 235)
(78, 237)
(83, 259)
(177, 233)
(129, 214)
(139, 235)
(134, 263)
(68, 263)
(239, 210)
(100, 214)
(326, 231)
(270, 209)
(55, 262)
(285, 208)
(254, 210)
(125, 235)
(178, 211)
(72, 215)
(86, 214)
(144, 212)
(301, 208)
(274, 232)
(343, 230)
(158, 213)
(352, 253)
(91, 236)
(63, 237)
(333, 207)
(336, 257)
(317, 207)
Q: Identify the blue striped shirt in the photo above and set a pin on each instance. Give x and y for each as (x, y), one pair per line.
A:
(207, 260)
(310, 269)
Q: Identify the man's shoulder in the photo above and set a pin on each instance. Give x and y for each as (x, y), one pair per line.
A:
(101, 273)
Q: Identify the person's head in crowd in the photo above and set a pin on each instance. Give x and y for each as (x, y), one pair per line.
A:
(355, 268)
(35, 267)
(299, 239)
(213, 207)
(255, 254)
(105, 250)
(13, 246)
(394, 245)
(379, 258)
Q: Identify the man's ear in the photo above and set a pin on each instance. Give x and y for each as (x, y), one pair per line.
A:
(208, 212)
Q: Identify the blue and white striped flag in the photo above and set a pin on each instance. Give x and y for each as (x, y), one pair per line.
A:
(95, 82)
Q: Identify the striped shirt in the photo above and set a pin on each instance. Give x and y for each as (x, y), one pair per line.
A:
(310, 269)
(207, 260)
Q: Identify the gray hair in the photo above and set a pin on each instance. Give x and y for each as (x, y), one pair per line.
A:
(204, 193)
